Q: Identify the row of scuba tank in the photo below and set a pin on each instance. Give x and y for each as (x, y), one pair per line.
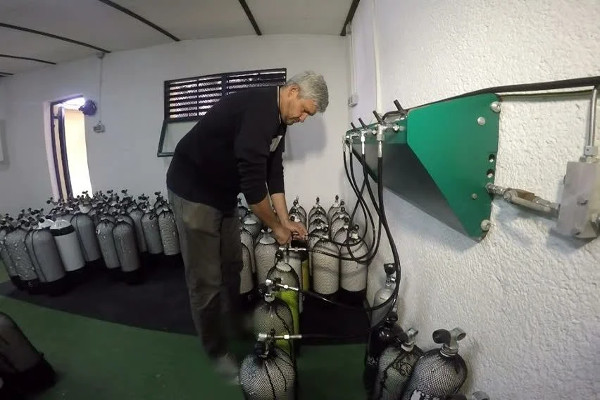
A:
(328, 263)
(402, 371)
(48, 252)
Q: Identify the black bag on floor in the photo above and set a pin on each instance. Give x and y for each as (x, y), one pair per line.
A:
(21, 365)
(8, 392)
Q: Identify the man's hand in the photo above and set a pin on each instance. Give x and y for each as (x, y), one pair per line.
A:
(282, 234)
(297, 229)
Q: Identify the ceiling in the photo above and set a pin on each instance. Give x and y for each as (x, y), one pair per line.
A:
(37, 33)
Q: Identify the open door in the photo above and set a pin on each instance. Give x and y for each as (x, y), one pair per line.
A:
(69, 148)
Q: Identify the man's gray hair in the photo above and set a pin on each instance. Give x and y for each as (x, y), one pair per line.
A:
(312, 86)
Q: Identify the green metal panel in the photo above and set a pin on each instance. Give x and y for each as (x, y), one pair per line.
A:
(440, 157)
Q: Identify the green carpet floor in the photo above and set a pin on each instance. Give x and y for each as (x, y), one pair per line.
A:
(101, 360)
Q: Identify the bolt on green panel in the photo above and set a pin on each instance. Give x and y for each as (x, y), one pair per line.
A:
(440, 157)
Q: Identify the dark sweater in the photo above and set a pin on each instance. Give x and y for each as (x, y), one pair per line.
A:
(232, 149)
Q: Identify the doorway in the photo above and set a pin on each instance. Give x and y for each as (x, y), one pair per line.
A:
(69, 147)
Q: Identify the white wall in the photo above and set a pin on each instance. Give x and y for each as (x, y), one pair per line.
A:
(527, 298)
(132, 111)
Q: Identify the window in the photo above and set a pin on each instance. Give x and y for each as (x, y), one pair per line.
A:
(188, 99)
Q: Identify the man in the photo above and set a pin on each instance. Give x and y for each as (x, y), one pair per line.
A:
(236, 147)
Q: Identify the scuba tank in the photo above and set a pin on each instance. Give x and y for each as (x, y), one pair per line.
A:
(264, 254)
(268, 374)
(68, 246)
(341, 233)
(45, 257)
(317, 209)
(353, 274)
(314, 235)
(274, 314)
(21, 365)
(297, 211)
(104, 233)
(379, 339)
(283, 273)
(317, 220)
(136, 216)
(251, 225)
(334, 207)
(168, 231)
(5, 257)
(325, 267)
(339, 220)
(125, 244)
(395, 367)
(383, 294)
(151, 231)
(297, 257)
(14, 242)
(440, 372)
(241, 209)
(85, 228)
(247, 285)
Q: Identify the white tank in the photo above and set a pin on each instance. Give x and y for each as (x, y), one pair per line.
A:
(264, 253)
(68, 245)
(247, 272)
(326, 268)
(353, 274)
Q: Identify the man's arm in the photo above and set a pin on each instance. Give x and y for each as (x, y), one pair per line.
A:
(263, 210)
(280, 206)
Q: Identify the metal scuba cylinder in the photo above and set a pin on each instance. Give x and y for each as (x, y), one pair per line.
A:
(379, 339)
(338, 224)
(264, 254)
(20, 363)
(440, 372)
(242, 210)
(251, 225)
(334, 208)
(300, 209)
(297, 257)
(104, 233)
(168, 231)
(85, 229)
(316, 209)
(268, 374)
(317, 218)
(314, 235)
(353, 274)
(283, 273)
(151, 231)
(383, 294)
(14, 241)
(68, 246)
(45, 257)
(273, 314)
(136, 215)
(126, 247)
(325, 267)
(247, 286)
(9, 265)
(395, 366)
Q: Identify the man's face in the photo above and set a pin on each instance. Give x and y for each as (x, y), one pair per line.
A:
(298, 109)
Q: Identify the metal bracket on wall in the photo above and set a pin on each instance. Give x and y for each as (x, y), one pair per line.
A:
(440, 157)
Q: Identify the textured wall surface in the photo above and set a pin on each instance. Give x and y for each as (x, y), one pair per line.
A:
(132, 111)
(528, 299)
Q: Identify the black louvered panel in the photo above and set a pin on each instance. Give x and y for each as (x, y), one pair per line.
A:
(253, 79)
(191, 98)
